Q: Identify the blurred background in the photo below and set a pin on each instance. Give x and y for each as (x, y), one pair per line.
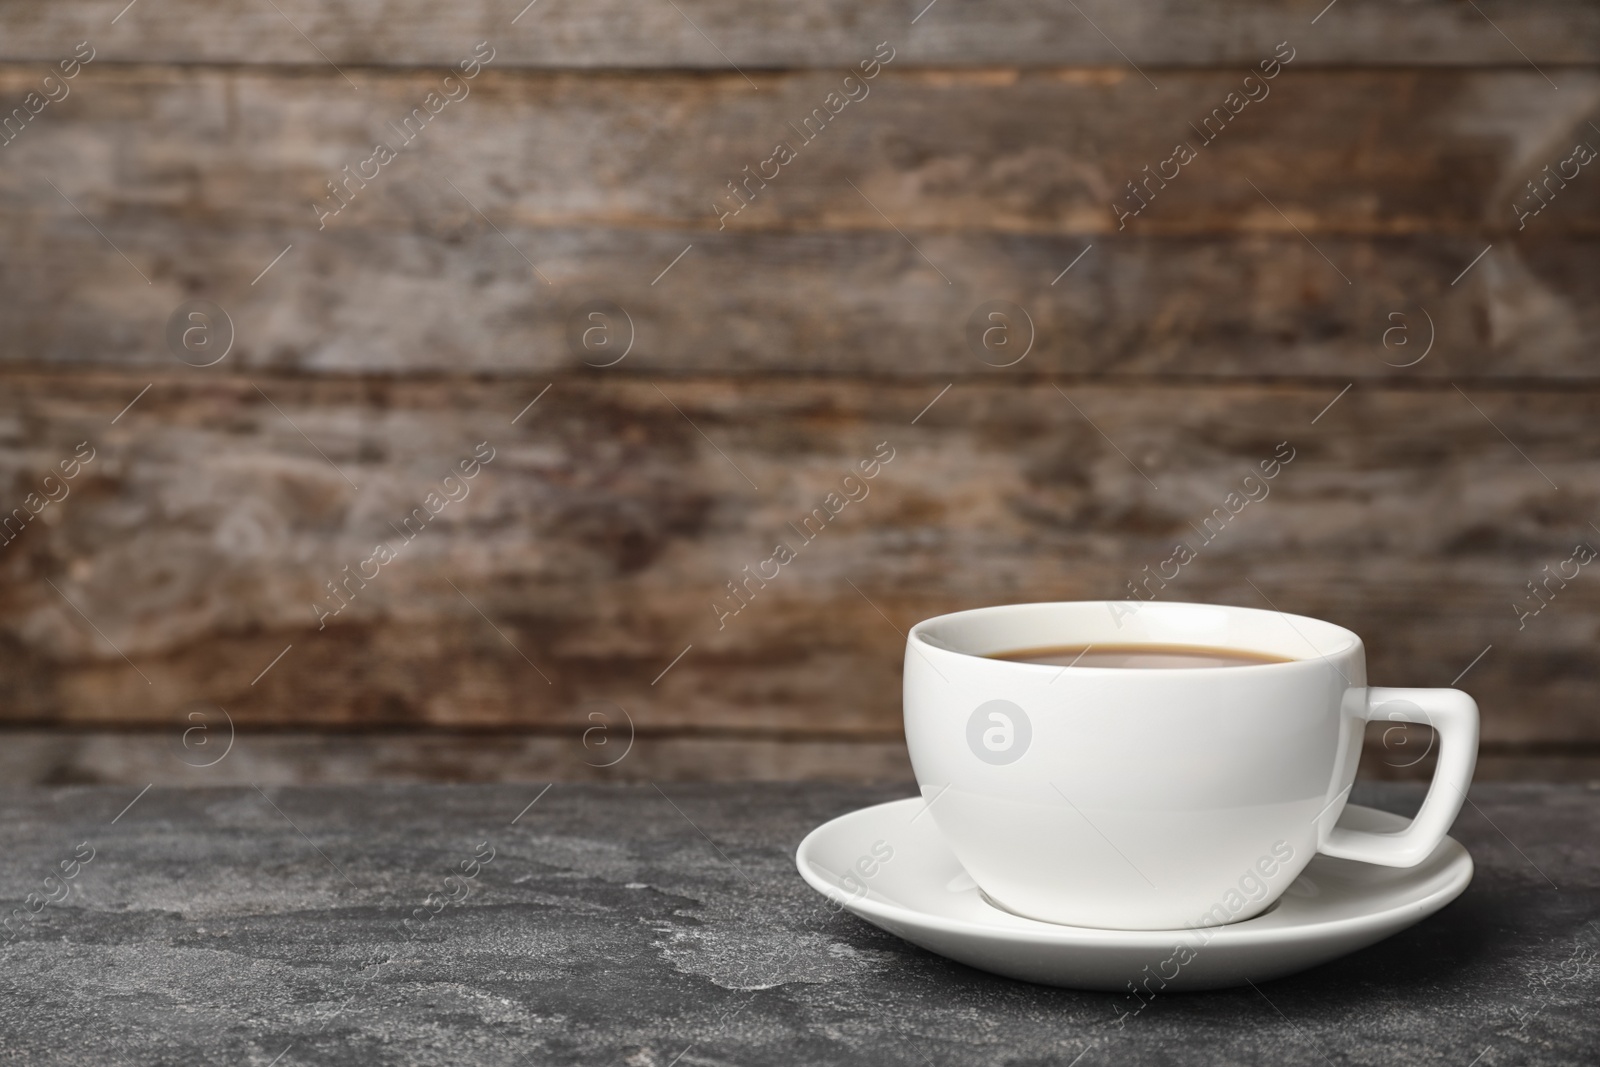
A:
(392, 390)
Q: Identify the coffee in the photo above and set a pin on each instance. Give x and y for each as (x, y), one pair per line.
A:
(1139, 656)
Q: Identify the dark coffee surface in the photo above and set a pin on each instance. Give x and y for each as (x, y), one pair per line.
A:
(1139, 656)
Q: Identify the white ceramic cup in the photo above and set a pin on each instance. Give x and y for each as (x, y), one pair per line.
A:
(1158, 798)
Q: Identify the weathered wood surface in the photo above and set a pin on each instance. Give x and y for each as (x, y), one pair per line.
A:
(713, 34)
(850, 305)
(1341, 214)
(590, 750)
(1044, 152)
(576, 751)
(596, 541)
(1000, 183)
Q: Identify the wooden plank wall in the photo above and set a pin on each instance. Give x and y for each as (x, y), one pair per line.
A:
(1351, 263)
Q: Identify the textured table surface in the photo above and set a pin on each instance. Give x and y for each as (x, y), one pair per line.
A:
(626, 925)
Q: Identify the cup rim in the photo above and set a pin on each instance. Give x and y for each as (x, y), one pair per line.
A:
(1350, 641)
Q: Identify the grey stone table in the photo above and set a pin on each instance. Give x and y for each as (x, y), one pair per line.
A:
(631, 925)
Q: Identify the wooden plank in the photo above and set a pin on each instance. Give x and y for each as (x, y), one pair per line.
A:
(1050, 152)
(461, 297)
(578, 184)
(560, 754)
(717, 34)
(105, 757)
(590, 550)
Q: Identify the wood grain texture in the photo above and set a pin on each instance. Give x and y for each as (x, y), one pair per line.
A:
(582, 750)
(1002, 150)
(714, 34)
(591, 549)
(1372, 198)
(460, 298)
(540, 192)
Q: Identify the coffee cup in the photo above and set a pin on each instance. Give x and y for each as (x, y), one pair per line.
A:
(1154, 798)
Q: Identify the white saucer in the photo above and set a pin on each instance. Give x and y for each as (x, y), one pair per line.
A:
(921, 893)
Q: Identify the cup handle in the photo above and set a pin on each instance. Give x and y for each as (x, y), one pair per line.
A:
(1455, 716)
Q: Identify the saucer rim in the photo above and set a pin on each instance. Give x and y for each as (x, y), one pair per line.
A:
(1460, 871)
